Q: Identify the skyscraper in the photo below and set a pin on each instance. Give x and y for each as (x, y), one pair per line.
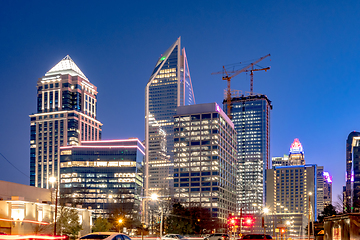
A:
(251, 117)
(169, 86)
(205, 159)
(327, 189)
(66, 115)
(352, 188)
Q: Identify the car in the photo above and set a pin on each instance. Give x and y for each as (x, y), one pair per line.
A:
(173, 237)
(217, 236)
(105, 236)
(256, 236)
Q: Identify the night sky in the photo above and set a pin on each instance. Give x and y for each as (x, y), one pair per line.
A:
(313, 82)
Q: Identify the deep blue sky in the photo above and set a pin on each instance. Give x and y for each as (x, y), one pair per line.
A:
(313, 82)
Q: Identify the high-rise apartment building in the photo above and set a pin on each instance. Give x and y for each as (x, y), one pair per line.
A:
(205, 159)
(66, 115)
(104, 175)
(251, 117)
(352, 188)
(169, 86)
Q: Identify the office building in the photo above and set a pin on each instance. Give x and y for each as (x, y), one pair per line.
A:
(288, 191)
(296, 156)
(205, 159)
(169, 86)
(327, 189)
(280, 161)
(66, 115)
(104, 175)
(320, 190)
(352, 188)
(251, 117)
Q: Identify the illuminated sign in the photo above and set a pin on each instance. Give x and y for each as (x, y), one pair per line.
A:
(217, 108)
(296, 147)
(327, 177)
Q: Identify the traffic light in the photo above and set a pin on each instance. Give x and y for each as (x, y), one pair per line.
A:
(282, 230)
(233, 221)
(248, 221)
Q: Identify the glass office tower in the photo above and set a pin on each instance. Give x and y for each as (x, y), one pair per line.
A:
(205, 159)
(251, 117)
(104, 175)
(66, 115)
(169, 87)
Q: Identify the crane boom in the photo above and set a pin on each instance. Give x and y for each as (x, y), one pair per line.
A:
(228, 77)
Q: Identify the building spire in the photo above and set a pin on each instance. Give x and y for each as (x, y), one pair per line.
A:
(66, 66)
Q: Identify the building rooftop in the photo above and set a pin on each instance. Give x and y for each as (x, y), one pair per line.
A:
(66, 66)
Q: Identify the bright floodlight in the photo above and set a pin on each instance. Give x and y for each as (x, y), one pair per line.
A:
(52, 179)
(120, 220)
(288, 223)
(310, 193)
(154, 196)
(266, 210)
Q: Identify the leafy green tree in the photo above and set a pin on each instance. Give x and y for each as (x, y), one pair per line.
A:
(329, 210)
(101, 225)
(68, 222)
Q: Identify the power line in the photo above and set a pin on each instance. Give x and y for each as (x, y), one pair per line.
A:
(14, 165)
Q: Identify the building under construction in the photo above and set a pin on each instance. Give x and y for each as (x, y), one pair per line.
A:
(251, 117)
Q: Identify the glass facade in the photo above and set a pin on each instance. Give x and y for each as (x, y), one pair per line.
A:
(251, 118)
(205, 159)
(352, 188)
(104, 175)
(169, 87)
(66, 115)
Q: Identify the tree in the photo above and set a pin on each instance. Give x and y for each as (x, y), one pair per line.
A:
(101, 225)
(191, 220)
(43, 229)
(329, 210)
(68, 222)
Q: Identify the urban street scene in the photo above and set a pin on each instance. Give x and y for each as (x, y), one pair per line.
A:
(192, 120)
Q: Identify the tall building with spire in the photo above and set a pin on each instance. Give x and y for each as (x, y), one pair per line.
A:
(66, 115)
(251, 117)
(169, 86)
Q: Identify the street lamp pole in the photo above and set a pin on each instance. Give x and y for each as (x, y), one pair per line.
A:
(155, 197)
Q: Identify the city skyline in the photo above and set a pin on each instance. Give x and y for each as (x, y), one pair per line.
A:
(312, 82)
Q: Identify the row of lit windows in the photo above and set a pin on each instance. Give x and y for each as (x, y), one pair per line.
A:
(98, 164)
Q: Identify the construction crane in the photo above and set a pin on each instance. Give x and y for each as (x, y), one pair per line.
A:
(228, 77)
(252, 76)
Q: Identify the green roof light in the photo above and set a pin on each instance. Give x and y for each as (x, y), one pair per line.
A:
(162, 59)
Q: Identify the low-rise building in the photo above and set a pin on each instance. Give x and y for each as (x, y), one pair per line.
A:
(28, 210)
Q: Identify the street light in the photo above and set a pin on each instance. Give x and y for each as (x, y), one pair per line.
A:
(266, 211)
(120, 221)
(155, 197)
(53, 180)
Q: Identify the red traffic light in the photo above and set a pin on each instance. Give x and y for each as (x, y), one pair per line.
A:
(248, 221)
(233, 221)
